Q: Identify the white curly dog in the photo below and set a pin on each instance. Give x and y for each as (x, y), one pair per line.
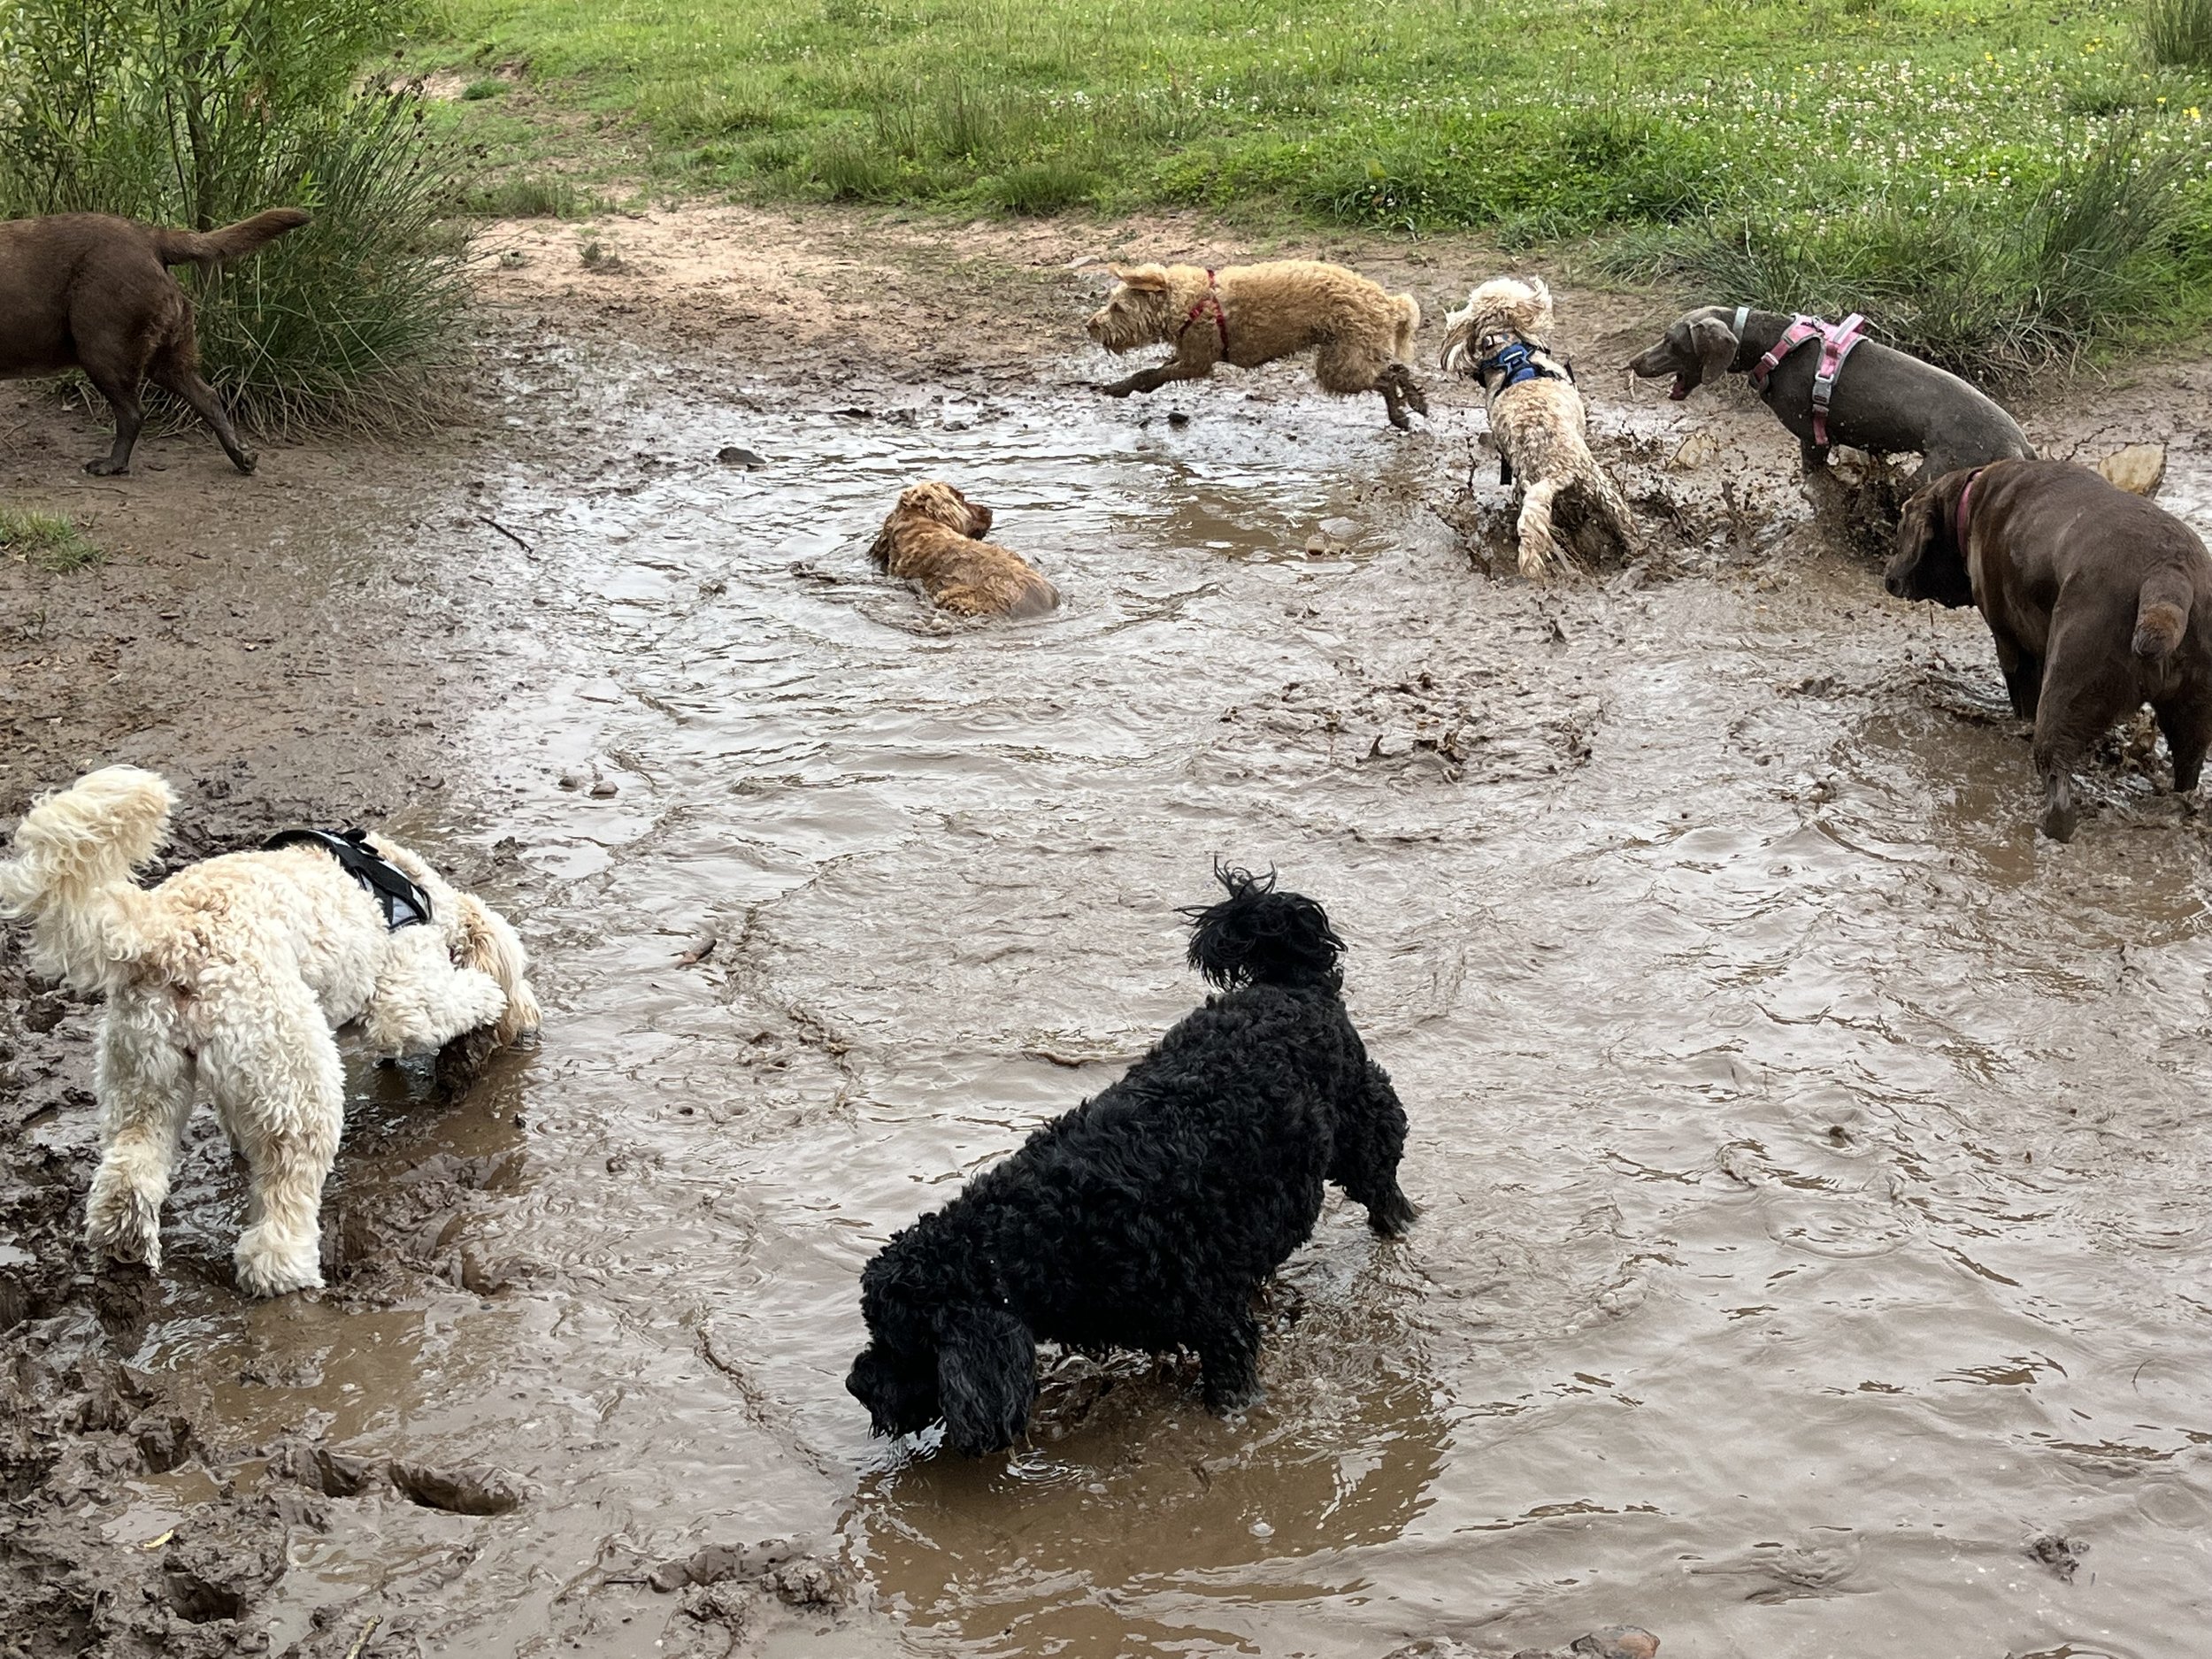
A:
(1537, 420)
(237, 971)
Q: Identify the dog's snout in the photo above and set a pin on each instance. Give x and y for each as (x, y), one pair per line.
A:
(1896, 585)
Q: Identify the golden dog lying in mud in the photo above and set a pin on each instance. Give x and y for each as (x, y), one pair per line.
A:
(1361, 336)
(934, 537)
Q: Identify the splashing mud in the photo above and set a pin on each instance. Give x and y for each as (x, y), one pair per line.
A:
(1812, 1162)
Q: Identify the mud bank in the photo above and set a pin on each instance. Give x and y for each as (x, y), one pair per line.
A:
(1812, 1162)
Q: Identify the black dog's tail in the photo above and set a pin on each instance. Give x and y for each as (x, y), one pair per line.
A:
(1258, 936)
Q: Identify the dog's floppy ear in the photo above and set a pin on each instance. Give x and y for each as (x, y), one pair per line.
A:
(978, 519)
(1145, 278)
(1713, 343)
(986, 1378)
(1929, 563)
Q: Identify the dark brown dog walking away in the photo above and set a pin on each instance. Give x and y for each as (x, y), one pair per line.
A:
(88, 291)
(2099, 602)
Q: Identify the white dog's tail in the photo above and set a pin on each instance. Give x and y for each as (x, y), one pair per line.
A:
(488, 944)
(1409, 325)
(72, 878)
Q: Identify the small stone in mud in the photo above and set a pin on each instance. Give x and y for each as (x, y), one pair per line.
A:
(738, 455)
(606, 789)
(2060, 1555)
(43, 1015)
(574, 781)
(1177, 418)
(463, 1489)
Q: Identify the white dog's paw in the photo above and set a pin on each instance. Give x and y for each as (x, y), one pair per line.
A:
(122, 1223)
(1536, 558)
(269, 1267)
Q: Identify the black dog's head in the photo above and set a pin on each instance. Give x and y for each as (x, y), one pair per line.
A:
(1929, 563)
(1259, 936)
(939, 1352)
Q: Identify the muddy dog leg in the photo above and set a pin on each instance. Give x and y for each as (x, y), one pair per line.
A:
(1370, 1140)
(2188, 726)
(144, 1082)
(1153, 379)
(1400, 391)
(1229, 1354)
(1539, 548)
(174, 372)
(118, 379)
(2024, 675)
(2084, 692)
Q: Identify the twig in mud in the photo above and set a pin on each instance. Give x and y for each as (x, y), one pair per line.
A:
(362, 1640)
(701, 949)
(764, 1413)
(486, 518)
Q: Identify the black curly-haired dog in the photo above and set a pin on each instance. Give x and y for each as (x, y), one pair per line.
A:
(1148, 1217)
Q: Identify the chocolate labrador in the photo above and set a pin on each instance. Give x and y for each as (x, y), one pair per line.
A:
(2098, 601)
(1886, 402)
(88, 291)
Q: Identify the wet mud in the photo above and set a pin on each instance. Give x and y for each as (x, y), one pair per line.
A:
(1811, 1161)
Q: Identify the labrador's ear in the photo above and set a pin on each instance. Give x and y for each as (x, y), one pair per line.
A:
(1929, 563)
(979, 520)
(1144, 278)
(987, 1379)
(1713, 343)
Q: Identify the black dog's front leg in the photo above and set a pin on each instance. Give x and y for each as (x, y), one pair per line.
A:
(2024, 677)
(1230, 1354)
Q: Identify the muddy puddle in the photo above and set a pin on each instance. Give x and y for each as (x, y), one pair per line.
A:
(1812, 1163)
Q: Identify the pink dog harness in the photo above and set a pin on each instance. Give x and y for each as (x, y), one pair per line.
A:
(1836, 340)
(1212, 303)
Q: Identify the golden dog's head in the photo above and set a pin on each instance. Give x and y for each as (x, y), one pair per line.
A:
(1520, 305)
(1137, 312)
(941, 504)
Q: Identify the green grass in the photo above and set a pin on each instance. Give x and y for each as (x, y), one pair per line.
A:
(48, 539)
(1826, 139)
(2179, 32)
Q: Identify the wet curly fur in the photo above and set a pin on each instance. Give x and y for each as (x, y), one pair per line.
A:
(1539, 426)
(1148, 1217)
(1361, 335)
(934, 537)
(231, 975)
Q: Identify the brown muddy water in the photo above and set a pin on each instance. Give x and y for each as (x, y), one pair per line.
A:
(1813, 1164)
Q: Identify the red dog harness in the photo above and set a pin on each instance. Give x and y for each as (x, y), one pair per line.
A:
(1210, 304)
(1836, 340)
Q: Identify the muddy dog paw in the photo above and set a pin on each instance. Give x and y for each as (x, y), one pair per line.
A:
(122, 1223)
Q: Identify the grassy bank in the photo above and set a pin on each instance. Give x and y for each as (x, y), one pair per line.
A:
(1771, 149)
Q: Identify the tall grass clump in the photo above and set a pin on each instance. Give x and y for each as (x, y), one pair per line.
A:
(198, 113)
(2178, 32)
(1991, 288)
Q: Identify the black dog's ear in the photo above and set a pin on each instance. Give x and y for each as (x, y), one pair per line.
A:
(987, 1379)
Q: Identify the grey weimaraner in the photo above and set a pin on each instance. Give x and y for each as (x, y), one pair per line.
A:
(1886, 402)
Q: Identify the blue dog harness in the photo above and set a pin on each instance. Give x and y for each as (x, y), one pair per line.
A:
(1518, 361)
(404, 902)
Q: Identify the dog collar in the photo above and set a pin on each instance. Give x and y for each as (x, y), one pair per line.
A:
(1210, 304)
(1743, 316)
(1518, 360)
(1958, 514)
(404, 905)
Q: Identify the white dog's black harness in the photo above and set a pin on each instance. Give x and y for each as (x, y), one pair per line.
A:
(404, 902)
